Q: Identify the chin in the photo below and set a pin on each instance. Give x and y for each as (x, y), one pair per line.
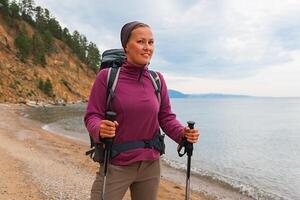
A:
(144, 62)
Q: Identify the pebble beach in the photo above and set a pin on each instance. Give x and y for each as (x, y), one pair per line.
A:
(36, 164)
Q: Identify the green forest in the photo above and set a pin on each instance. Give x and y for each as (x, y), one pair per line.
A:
(46, 28)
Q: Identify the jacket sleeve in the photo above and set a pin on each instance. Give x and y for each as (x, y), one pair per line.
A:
(167, 119)
(95, 111)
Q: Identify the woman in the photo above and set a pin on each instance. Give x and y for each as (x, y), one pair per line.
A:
(139, 117)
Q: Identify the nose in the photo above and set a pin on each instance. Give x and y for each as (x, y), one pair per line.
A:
(148, 46)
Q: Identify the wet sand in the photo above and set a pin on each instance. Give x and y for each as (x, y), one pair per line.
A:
(36, 164)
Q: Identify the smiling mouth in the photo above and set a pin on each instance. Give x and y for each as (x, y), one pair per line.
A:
(146, 55)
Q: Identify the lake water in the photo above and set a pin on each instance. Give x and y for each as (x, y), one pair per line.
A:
(251, 144)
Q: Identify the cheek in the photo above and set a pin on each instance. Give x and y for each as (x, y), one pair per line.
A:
(132, 48)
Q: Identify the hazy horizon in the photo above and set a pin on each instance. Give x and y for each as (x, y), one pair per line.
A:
(228, 94)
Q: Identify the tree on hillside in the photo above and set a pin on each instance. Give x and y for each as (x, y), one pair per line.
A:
(48, 40)
(27, 10)
(79, 45)
(4, 6)
(55, 28)
(46, 29)
(47, 14)
(38, 49)
(23, 43)
(40, 20)
(46, 87)
(10, 11)
(4, 3)
(93, 57)
(14, 10)
(67, 37)
(75, 41)
(82, 48)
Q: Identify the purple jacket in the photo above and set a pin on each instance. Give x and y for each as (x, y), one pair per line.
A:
(138, 112)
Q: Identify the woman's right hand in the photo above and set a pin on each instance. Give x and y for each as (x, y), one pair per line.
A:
(108, 128)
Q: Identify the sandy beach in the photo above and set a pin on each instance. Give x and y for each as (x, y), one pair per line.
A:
(36, 164)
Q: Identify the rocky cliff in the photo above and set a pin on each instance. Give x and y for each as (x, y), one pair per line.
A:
(20, 81)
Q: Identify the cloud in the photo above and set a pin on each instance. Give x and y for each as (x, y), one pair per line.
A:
(231, 40)
(217, 40)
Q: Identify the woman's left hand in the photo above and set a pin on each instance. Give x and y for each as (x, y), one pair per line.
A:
(192, 135)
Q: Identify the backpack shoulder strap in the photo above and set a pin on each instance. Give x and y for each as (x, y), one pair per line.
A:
(112, 78)
(156, 83)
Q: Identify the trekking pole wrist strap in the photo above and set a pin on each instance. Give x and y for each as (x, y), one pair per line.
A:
(181, 146)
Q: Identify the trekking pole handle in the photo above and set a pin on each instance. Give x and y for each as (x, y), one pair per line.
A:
(191, 124)
(189, 147)
(111, 116)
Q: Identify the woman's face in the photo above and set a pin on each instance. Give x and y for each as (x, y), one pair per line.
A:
(140, 46)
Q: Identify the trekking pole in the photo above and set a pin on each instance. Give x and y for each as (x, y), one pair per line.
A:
(188, 149)
(111, 116)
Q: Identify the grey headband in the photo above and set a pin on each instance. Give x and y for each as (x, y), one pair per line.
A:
(127, 29)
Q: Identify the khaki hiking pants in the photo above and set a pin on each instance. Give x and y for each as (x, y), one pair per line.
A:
(141, 177)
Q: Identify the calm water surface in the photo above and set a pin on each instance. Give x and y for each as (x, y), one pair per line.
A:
(253, 144)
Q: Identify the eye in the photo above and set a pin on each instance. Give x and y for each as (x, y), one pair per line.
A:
(151, 42)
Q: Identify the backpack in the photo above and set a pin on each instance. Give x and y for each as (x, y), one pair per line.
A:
(113, 59)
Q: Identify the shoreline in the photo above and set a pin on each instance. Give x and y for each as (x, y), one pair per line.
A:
(44, 165)
(203, 184)
(67, 120)
(173, 179)
(212, 187)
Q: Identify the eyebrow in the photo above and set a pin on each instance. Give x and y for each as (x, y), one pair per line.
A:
(145, 38)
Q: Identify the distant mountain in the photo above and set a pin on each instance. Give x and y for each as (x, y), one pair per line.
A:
(177, 94)
(217, 95)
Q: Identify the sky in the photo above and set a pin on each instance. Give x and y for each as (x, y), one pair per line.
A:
(248, 47)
